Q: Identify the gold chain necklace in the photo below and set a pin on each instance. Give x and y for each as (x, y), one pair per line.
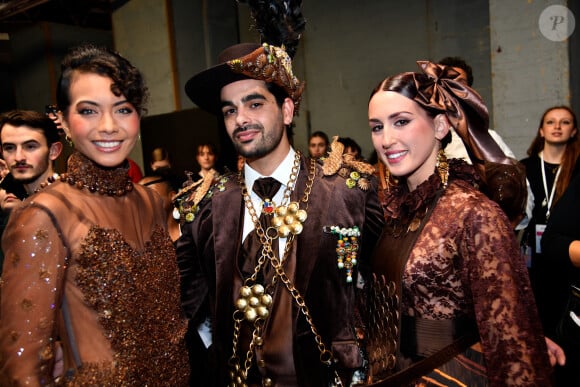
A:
(254, 303)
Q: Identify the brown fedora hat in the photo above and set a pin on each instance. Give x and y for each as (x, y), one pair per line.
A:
(244, 61)
(204, 88)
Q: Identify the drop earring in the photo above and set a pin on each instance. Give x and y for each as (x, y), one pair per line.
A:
(442, 167)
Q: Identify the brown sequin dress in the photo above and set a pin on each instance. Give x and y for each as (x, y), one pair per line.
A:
(98, 243)
(466, 263)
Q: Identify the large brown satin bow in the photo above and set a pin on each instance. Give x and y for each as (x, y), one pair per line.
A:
(504, 179)
(463, 107)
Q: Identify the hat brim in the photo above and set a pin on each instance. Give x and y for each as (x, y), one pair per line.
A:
(204, 88)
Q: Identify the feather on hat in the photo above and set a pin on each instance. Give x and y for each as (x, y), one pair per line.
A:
(280, 24)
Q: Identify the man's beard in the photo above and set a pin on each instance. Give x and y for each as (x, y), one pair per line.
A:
(253, 153)
(38, 172)
(265, 145)
(27, 180)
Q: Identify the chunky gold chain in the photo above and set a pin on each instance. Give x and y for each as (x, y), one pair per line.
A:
(238, 374)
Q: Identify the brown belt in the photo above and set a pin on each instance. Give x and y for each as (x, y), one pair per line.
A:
(422, 337)
(464, 335)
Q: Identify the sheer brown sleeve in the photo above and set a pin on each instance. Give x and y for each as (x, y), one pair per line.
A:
(32, 282)
(511, 335)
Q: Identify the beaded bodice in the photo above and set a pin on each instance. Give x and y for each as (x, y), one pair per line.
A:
(100, 241)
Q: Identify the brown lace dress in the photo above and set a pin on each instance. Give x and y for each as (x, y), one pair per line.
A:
(466, 263)
(97, 247)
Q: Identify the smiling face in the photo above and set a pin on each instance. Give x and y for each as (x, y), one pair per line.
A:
(255, 122)
(104, 127)
(558, 126)
(405, 137)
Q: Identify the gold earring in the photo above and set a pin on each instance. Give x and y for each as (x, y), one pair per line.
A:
(387, 180)
(442, 167)
(69, 140)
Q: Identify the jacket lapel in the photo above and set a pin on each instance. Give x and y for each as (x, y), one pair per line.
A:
(227, 214)
(306, 250)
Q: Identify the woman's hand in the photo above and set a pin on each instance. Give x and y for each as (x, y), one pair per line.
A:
(556, 353)
(574, 252)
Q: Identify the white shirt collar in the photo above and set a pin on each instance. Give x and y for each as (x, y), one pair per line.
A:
(281, 173)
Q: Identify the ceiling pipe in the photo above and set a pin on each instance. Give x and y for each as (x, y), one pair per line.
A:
(15, 7)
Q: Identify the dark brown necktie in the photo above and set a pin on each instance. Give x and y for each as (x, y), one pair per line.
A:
(265, 188)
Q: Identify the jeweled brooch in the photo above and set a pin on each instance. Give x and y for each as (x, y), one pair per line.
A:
(346, 248)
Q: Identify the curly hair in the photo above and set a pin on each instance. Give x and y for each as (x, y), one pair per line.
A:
(87, 58)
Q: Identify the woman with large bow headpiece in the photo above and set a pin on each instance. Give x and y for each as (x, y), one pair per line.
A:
(449, 294)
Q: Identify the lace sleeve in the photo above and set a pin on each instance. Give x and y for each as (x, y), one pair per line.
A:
(32, 282)
(511, 335)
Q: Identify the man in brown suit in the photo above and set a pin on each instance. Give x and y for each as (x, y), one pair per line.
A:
(286, 316)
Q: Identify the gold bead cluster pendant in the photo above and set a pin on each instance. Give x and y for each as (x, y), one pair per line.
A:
(254, 302)
(289, 219)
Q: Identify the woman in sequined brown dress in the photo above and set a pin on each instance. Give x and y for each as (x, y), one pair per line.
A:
(89, 265)
(449, 250)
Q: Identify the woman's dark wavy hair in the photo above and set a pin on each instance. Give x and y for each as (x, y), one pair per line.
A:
(87, 58)
(404, 84)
